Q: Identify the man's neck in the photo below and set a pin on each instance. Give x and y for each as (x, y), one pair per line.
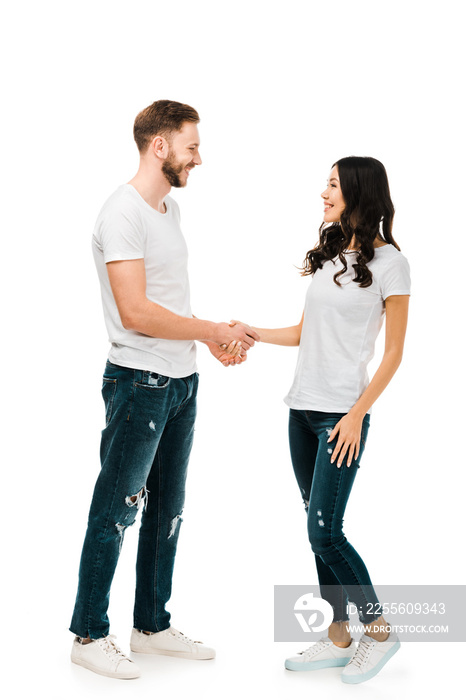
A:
(152, 186)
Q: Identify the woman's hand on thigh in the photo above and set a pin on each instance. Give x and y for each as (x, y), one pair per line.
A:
(348, 430)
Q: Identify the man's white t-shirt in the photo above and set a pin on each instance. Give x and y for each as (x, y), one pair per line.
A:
(128, 228)
(339, 330)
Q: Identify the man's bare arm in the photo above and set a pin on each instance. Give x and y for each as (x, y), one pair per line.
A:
(138, 313)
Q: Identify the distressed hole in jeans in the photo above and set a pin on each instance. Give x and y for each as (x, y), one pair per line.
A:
(320, 521)
(305, 500)
(121, 531)
(174, 525)
(138, 499)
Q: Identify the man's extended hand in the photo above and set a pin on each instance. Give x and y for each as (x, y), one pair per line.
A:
(240, 332)
(251, 333)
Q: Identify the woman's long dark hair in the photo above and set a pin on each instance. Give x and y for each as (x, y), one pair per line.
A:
(368, 212)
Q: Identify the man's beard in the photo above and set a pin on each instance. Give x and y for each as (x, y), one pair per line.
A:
(172, 170)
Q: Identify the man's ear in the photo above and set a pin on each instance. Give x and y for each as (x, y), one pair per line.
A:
(159, 147)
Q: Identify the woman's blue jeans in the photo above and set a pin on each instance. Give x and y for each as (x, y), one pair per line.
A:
(144, 454)
(325, 489)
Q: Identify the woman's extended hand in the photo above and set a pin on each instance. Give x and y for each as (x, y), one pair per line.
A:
(348, 430)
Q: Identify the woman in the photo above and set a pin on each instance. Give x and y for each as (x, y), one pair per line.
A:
(359, 275)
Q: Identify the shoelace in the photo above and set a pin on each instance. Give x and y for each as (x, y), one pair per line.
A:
(362, 652)
(182, 637)
(315, 648)
(111, 649)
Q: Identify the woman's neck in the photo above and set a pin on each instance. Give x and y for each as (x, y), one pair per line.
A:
(378, 243)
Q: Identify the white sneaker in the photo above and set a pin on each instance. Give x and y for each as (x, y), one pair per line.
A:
(169, 642)
(322, 654)
(370, 657)
(105, 657)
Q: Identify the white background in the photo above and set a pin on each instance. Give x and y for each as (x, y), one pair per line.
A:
(283, 90)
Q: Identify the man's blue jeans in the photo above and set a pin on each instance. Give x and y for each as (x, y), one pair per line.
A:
(325, 489)
(144, 454)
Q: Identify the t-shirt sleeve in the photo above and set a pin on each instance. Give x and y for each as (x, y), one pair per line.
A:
(396, 278)
(121, 235)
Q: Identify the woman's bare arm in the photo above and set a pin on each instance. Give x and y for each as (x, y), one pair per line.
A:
(349, 427)
(289, 336)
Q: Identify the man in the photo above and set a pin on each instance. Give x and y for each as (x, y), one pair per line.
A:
(149, 389)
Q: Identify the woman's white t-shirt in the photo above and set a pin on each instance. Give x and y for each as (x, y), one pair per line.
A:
(339, 330)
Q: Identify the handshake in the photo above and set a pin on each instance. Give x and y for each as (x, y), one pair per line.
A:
(238, 342)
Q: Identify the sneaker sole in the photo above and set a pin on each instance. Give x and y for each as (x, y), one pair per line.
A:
(315, 665)
(179, 654)
(108, 674)
(370, 674)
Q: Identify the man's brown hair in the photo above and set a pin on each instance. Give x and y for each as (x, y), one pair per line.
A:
(161, 118)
